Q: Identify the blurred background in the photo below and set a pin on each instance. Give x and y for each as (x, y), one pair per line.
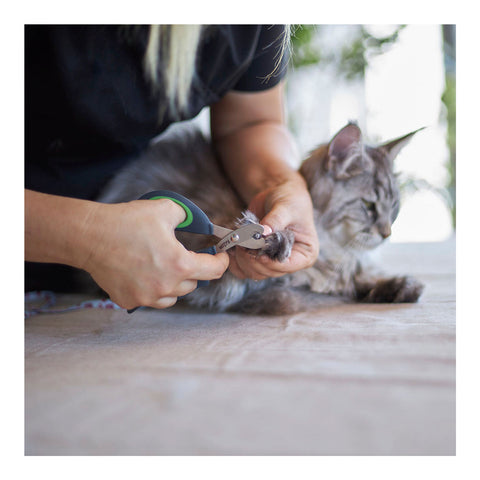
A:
(391, 79)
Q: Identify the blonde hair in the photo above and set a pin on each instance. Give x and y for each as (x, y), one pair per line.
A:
(178, 45)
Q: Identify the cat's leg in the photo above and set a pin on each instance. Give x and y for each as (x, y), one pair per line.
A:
(278, 245)
(388, 290)
(273, 300)
(284, 300)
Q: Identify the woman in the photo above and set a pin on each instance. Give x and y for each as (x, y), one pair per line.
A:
(95, 97)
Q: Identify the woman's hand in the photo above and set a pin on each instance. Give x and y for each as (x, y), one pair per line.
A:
(258, 154)
(129, 248)
(285, 206)
(138, 261)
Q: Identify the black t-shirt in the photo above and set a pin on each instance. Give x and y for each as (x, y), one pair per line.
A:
(89, 108)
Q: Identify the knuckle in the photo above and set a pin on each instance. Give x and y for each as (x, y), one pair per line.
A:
(143, 299)
(183, 267)
(161, 289)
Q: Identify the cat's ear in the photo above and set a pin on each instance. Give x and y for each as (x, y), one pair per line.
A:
(347, 139)
(345, 157)
(393, 147)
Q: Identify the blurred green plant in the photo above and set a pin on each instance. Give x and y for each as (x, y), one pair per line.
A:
(351, 59)
(450, 113)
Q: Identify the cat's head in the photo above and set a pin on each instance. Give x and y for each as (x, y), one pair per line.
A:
(354, 188)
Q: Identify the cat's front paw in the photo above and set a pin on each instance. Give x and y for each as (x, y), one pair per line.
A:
(395, 290)
(278, 245)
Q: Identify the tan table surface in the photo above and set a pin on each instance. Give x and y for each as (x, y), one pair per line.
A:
(344, 380)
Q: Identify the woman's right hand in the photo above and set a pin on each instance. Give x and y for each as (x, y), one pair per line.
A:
(129, 249)
(136, 258)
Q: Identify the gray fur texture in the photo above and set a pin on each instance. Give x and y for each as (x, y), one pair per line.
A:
(355, 197)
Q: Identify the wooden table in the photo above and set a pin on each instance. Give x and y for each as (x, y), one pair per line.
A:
(344, 380)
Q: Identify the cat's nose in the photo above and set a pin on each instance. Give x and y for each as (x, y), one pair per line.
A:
(385, 230)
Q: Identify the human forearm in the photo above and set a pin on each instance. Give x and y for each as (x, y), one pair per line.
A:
(56, 228)
(259, 156)
(129, 249)
(258, 161)
(253, 142)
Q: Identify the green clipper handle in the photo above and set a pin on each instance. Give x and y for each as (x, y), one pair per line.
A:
(196, 221)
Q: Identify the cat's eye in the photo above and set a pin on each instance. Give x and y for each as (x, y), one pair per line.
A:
(368, 205)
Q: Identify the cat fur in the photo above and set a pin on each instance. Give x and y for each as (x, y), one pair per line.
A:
(355, 196)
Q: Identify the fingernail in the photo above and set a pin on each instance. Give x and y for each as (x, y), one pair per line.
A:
(267, 230)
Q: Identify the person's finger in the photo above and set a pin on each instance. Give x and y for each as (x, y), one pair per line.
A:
(244, 273)
(184, 287)
(203, 266)
(267, 229)
(277, 219)
(299, 259)
(164, 302)
(248, 264)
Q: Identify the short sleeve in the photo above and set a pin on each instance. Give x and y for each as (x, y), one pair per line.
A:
(269, 63)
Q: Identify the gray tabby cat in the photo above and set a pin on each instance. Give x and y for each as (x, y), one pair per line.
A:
(355, 197)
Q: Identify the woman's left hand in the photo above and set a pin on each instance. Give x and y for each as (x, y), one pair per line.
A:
(257, 152)
(284, 206)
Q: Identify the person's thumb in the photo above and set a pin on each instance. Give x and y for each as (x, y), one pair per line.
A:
(276, 219)
(171, 211)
